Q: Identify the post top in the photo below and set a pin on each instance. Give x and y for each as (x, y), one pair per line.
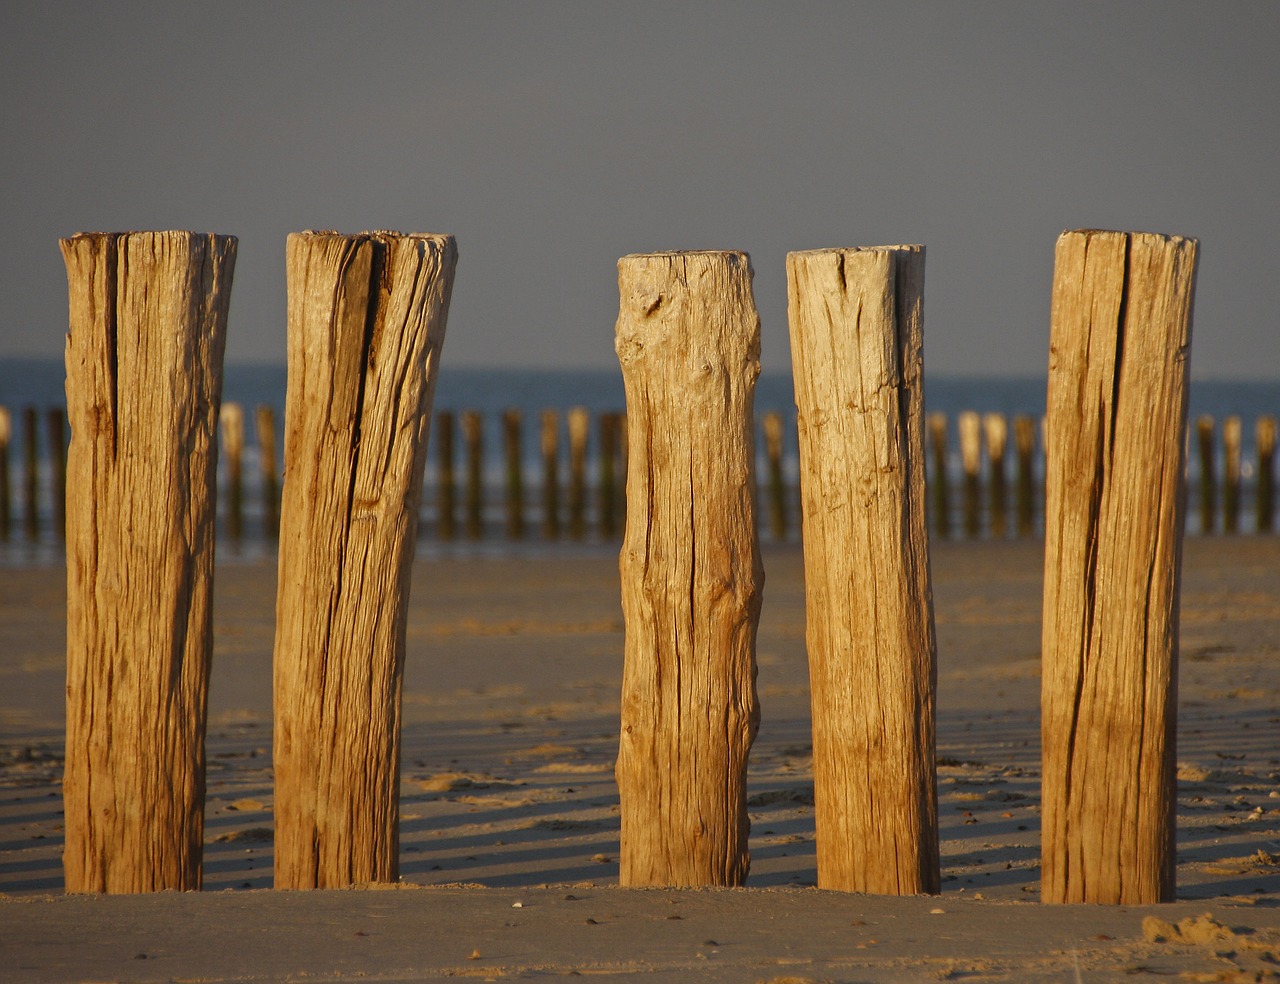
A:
(829, 250)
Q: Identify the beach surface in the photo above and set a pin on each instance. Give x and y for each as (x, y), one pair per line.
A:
(509, 811)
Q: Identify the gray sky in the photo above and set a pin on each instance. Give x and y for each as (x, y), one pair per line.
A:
(552, 138)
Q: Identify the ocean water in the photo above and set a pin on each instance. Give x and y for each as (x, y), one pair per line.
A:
(40, 383)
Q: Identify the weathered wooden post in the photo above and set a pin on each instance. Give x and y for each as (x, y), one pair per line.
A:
(6, 500)
(772, 426)
(55, 419)
(232, 428)
(579, 423)
(264, 419)
(1115, 503)
(1024, 438)
(688, 340)
(1265, 436)
(856, 318)
(30, 473)
(550, 474)
(511, 442)
(1208, 474)
(366, 320)
(148, 317)
(446, 495)
(1231, 434)
(996, 430)
(937, 427)
(473, 438)
(970, 427)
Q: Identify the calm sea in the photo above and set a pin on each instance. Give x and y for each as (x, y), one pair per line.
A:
(40, 383)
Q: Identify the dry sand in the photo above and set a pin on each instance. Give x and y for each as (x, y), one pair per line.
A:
(509, 810)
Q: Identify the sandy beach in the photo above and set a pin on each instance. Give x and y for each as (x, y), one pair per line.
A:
(509, 827)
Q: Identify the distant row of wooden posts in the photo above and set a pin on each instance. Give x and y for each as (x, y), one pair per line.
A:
(1001, 500)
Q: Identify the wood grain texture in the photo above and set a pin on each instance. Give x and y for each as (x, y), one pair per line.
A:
(148, 317)
(1115, 503)
(366, 322)
(856, 318)
(688, 340)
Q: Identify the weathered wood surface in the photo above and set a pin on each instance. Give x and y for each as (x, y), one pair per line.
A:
(148, 316)
(365, 326)
(1117, 405)
(856, 318)
(688, 340)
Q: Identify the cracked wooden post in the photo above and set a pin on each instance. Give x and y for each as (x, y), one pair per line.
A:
(148, 318)
(856, 318)
(688, 340)
(366, 320)
(1115, 503)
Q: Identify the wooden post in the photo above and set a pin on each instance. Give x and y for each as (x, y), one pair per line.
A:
(1115, 493)
(608, 492)
(1024, 438)
(579, 424)
(996, 430)
(30, 474)
(446, 496)
(937, 426)
(473, 438)
(1208, 476)
(772, 426)
(1265, 434)
(264, 419)
(56, 422)
(515, 473)
(366, 320)
(1231, 434)
(148, 317)
(970, 425)
(550, 474)
(856, 319)
(688, 340)
(232, 421)
(6, 500)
